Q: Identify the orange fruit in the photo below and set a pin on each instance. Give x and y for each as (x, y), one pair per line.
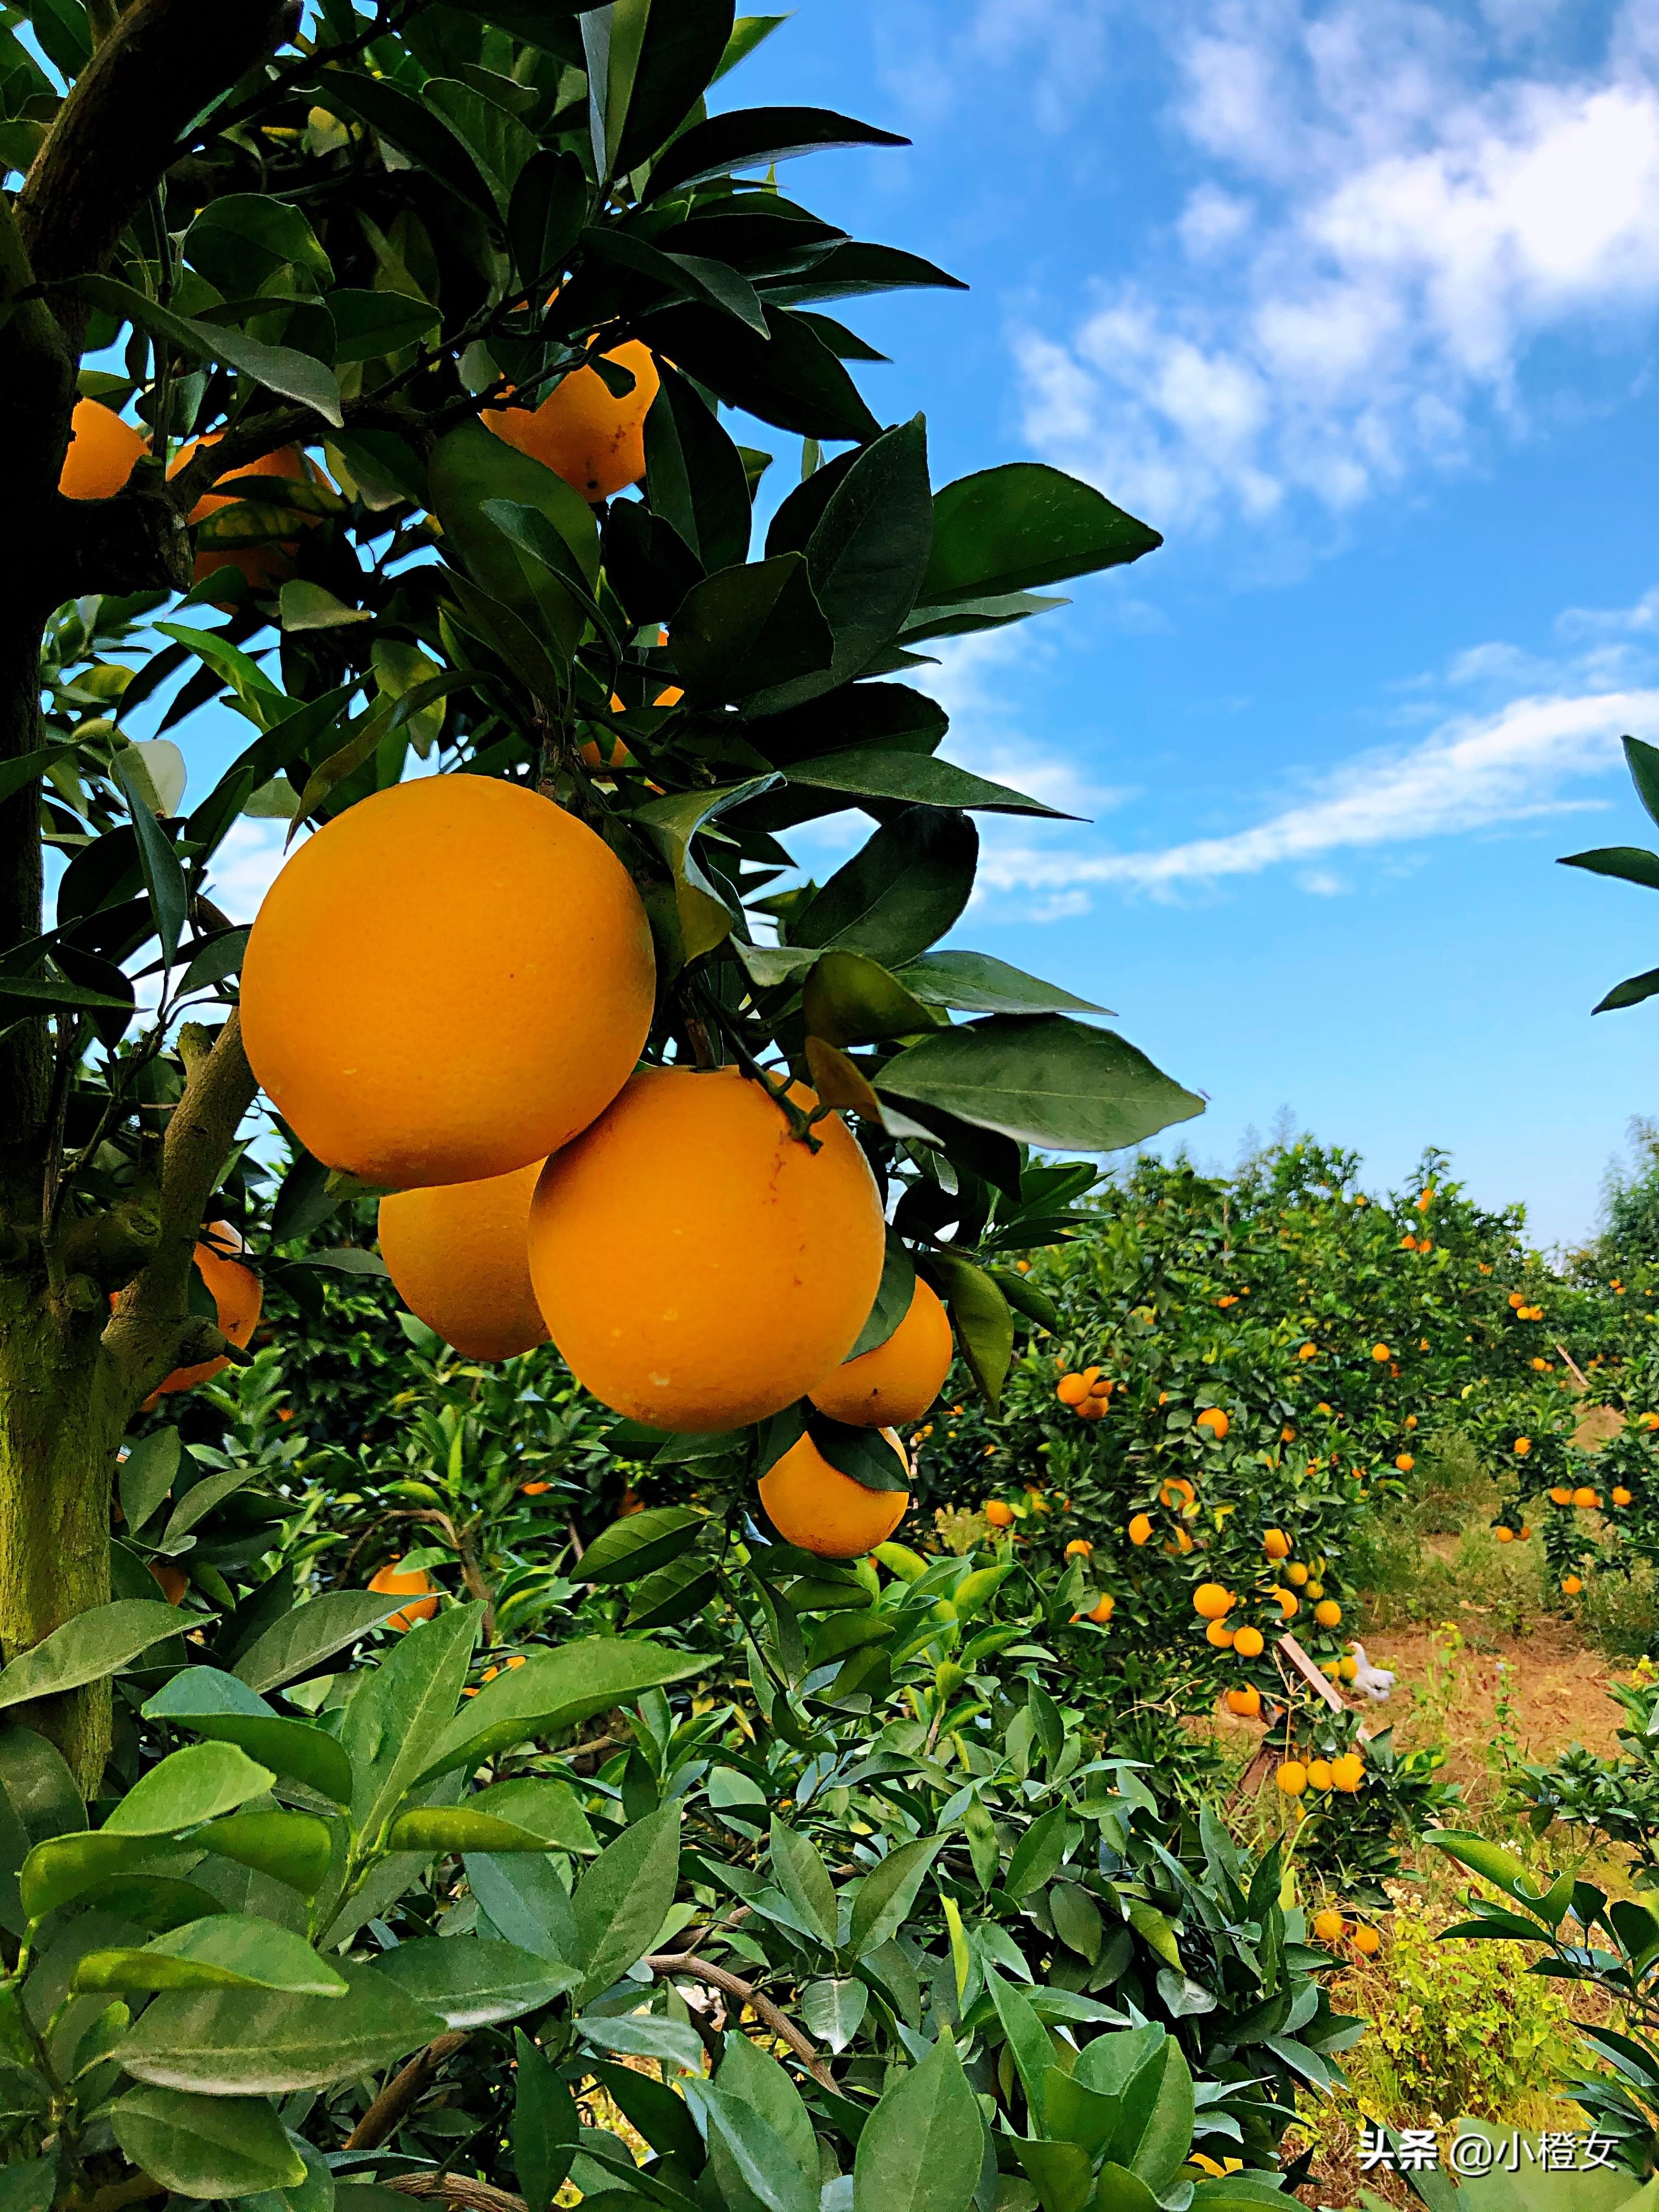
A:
(1319, 1774)
(1404, 1461)
(1328, 1614)
(534, 1489)
(1329, 1927)
(826, 1512)
(1090, 1409)
(1246, 1702)
(1560, 1495)
(1296, 1572)
(491, 1673)
(1175, 1491)
(266, 563)
(391, 1583)
(581, 431)
(1220, 1635)
(999, 1513)
(103, 452)
(1072, 1389)
(1503, 1533)
(1621, 1495)
(900, 1379)
(457, 1258)
(1289, 1603)
(449, 981)
(1079, 1548)
(1103, 1612)
(1380, 1352)
(1276, 1544)
(1348, 1772)
(1215, 1420)
(1572, 1585)
(1292, 1777)
(698, 1266)
(1141, 1529)
(237, 1293)
(173, 1580)
(1367, 1943)
(1307, 1351)
(1210, 1601)
(1585, 1498)
(1522, 1446)
(1248, 1643)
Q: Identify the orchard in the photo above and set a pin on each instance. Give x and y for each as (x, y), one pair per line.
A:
(619, 1550)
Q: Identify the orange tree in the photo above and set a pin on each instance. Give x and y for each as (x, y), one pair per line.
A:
(403, 342)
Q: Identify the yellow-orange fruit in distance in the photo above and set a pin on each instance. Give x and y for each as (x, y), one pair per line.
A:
(1141, 1529)
(1503, 1534)
(1215, 1420)
(1079, 1548)
(1329, 1926)
(1621, 1495)
(1584, 1498)
(582, 431)
(999, 1513)
(237, 1294)
(900, 1379)
(1276, 1544)
(103, 452)
(458, 1257)
(1560, 1495)
(447, 982)
(264, 563)
(1246, 1702)
(1572, 1585)
(1071, 1390)
(1328, 1614)
(1367, 1943)
(1292, 1777)
(173, 1579)
(699, 1267)
(1104, 1610)
(826, 1512)
(1348, 1772)
(390, 1581)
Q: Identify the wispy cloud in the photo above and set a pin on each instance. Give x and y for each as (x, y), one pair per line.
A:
(1391, 205)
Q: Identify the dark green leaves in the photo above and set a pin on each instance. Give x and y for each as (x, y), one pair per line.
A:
(900, 892)
(222, 1707)
(545, 2125)
(974, 983)
(552, 1692)
(475, 1980)
(695, 476)
(235, 2042)
(755, 137)
(678, 55)
(640, 1543)
(921, 2148)
(1011, 529)
(624, 1899)
(1041, 1081)
(789, 376)
(984, 1325)
(227, 1951)
(280, 368)
(88, 1648)
(296, 1645)
(1630, 863)
(748, 629)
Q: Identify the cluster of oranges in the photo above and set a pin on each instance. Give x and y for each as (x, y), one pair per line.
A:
(1521, 1311)
(1330, 1928)
(1345, 1774)
(1585, 1499)
(1085, 1392)
(697, 1263)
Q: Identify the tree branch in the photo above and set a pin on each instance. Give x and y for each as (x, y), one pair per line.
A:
(665, 1963)
(119, 130)
(152, 1317)
(381, 2121)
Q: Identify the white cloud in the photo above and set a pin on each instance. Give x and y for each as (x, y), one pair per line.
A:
(1473, 774)
(1395, 205)
(1051, 54)
(246, 866)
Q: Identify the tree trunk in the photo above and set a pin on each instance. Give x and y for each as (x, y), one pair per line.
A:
(60, 1424)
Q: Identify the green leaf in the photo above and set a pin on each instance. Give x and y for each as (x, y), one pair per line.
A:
(146, 1475)
(1078, 2114)
(60, 1867)
(549, 1810)
(88, 1648)
(498, 144)
(545, 2125)
(866, 558)
(751, 2080)
(749, 2162)
(545, 215)
(400, 119)
(834, 2011)
(38, 1785)
(186, 1788)
(29, 2185)
(979, 1312)
(1038, 1853)
(894, 1297)
(370, 325)
(857, 269)
(239, 241)
(755, 137)
(474, 1981)
(789, 377)
(221, 1707)
(1017, 527)
(1630, 993)
(294, 1848)
(888, 1891)
(1059, 2172)
(863, 1454)
(1027, 2038)
(302, 606)
(232, 2042)
(974, 983)
(899, 893)
(526, 1902)
(400, 1714)
(645, 2035)
(805, 1881)
(296, 1645)
(1117, 2190)
(279, 368)
(552, 1692)
(158, 862)
(681, 51)
(435, 1828)
(231, 1950)
(1489, 1861)
(747, 628)
(1630, 863)
(1154, 2135)
(849, 999)
(624, 1899)
(701, 917)
(1041, 1080)
(922, 2146)
(469, 468)
(1643, 762)
(640, 1543)
(694, 474)
(206, 2147)
(914, 779)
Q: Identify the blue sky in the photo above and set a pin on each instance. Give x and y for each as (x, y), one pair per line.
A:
(1355, 303)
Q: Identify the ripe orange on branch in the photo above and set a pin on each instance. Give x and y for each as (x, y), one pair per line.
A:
(582, 431)
(238, 1295)
(265, 562)
(698, 1266)
(392, 1580)
(826, 1512)
(103, 452)
(900, 1379)
(447, 982)
(458, 1258)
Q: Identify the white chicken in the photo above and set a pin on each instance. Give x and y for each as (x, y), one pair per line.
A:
(1375, 1681)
